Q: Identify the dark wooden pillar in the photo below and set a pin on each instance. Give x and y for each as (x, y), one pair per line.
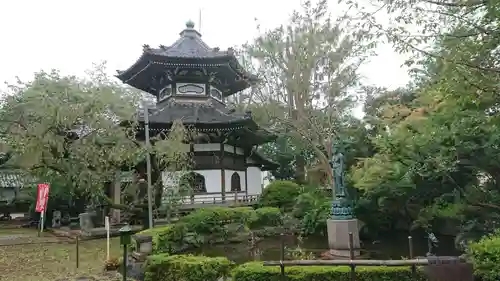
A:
(222, 172)
(246, 173)
(193, 165)
(234, 164)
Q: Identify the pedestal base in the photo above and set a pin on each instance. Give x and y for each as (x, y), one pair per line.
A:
(338, 237)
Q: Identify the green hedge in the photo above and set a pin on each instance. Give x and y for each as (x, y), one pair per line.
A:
(186, 267)
(255, 271)
(485, 256)
(191, 230)
(212, 220)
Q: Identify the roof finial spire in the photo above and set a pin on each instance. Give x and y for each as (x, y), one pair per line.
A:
(199, 21)
(190, 24)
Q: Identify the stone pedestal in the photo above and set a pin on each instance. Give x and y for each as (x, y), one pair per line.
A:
(338, 237)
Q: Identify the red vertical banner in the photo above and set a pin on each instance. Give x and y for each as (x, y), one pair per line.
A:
(42, 197)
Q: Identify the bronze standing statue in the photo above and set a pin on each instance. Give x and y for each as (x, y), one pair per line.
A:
(341, 204)
(337, 164)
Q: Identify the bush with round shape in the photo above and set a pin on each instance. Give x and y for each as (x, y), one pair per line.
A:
(485, 256)
(280, 194)
(186, 267)
(256, 271)
(266, 216)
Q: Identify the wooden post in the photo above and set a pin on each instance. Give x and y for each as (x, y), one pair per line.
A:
(282, 257)
(108, 227)
(222, 172)
(351, 256)
(246, 173)
(77, 251)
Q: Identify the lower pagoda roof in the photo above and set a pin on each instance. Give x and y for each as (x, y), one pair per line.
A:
(265, 163)
(207, 116)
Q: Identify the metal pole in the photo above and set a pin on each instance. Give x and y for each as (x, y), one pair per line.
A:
(124, 272)
(410, 246)
(148, 166)
(77, 251)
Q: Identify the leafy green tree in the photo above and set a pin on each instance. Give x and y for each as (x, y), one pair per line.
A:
(69, 126)
(438, 158)
(309, 67)
(81, 131)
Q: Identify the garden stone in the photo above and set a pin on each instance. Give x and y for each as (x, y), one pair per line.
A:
(86, 224)
(65, 219)
(144, 243)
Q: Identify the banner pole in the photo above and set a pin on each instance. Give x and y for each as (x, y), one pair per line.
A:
(106, 222)
(42, 216)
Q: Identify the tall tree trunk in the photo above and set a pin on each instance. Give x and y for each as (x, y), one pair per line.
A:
(300, 161)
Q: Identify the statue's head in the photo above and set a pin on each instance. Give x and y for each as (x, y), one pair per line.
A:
(337, 146)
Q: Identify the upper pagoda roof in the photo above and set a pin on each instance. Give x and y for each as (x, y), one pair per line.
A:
(189, 59)
(196, 111)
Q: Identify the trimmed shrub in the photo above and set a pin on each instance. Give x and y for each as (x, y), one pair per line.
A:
(255, 271)
(212, 220)
(280, 194)
(168, 238)
(186, 268)
(267, 216)
(485, 256)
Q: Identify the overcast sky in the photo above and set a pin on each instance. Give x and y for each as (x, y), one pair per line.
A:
(71, 35)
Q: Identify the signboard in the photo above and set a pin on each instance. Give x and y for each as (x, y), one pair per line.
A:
(42, 197)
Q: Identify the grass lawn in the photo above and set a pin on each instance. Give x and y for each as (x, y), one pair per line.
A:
(44, 262)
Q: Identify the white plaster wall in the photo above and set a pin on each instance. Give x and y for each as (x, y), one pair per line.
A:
(254, 181)
(212, 179)
(216, 147)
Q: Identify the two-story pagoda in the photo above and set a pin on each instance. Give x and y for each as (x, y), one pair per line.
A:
(191, 82)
